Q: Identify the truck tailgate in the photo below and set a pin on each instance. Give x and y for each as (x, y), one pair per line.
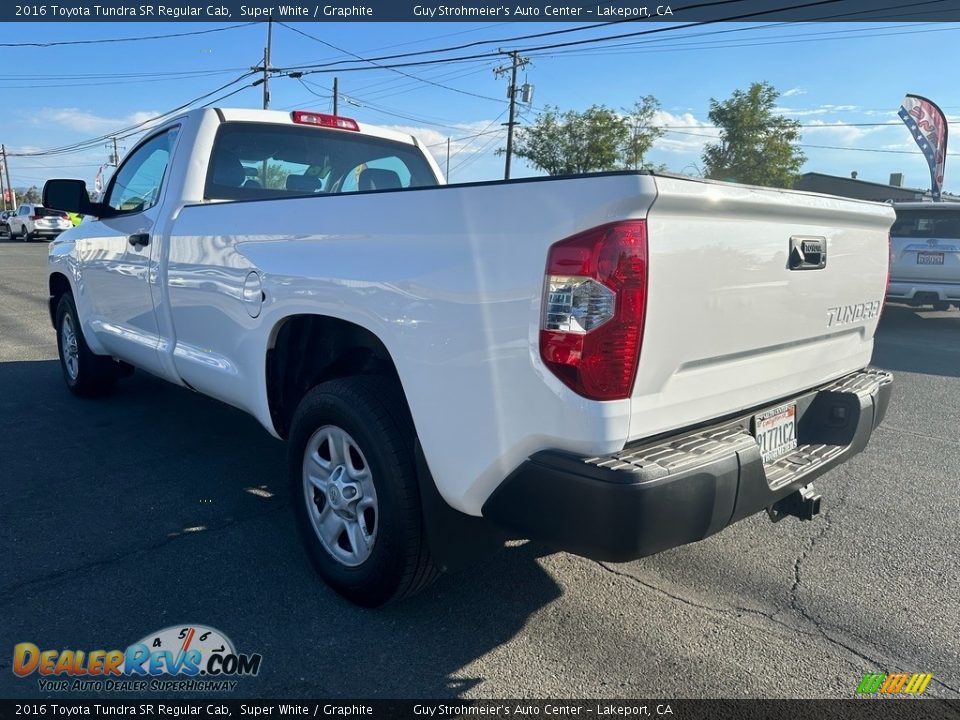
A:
(732, 321)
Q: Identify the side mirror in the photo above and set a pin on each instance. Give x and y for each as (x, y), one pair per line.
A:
(72, 196)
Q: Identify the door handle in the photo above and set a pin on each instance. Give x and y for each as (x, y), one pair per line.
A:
(138, 240)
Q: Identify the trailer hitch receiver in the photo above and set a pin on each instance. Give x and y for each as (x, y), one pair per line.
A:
(803, 503)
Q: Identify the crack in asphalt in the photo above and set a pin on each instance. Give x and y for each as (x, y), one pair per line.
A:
(10, 591)
(729, 611)
(737, 612)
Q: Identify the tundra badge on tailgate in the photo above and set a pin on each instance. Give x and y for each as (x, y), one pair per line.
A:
(846, 314)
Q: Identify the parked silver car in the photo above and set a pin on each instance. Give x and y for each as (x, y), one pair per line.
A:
(925, 254)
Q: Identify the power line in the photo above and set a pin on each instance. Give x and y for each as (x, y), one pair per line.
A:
(673, 28)
(683, 47)
(137, 81)
(819, 147)
(359, 102)
(581, 28)
(897, 12)
(386, 67)
(133, 129)
(57, 43)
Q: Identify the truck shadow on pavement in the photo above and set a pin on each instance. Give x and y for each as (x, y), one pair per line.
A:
(157, 506)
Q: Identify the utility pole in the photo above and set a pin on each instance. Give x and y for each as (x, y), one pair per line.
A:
(114, 152)
(516, 62)
(6, 171)
(447, 173)
(336, 96)
(3, 190)
(266, 63)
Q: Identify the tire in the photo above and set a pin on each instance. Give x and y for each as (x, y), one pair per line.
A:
(85, 373)
(365, 494)
(941, 306)
(24, 235)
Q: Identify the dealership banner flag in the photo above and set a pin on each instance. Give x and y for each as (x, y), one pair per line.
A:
(928, 126)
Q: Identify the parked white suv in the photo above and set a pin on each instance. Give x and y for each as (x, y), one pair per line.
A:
(925, 255)
(33, 221)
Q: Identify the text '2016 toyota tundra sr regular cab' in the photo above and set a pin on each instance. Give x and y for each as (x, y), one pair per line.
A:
(614, 364)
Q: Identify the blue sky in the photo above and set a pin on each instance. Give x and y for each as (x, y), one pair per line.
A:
(828, 73)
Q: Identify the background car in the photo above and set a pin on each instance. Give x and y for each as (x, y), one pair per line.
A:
(33, 221)
(925, 254)
(4, 226)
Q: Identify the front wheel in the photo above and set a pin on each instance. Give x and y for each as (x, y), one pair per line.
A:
(85, 373)
(354, 488)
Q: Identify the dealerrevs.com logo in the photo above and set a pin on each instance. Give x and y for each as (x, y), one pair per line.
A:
(180, 657)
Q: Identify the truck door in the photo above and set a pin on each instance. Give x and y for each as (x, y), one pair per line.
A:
(119, 258)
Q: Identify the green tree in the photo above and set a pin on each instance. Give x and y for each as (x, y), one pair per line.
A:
(594, 140)
(271, 175)
(642, 132)
(756, 144)
(30, 196)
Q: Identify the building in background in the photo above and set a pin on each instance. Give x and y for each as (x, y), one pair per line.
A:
(851, 187)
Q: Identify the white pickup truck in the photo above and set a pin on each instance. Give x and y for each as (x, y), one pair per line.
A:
(614, 364)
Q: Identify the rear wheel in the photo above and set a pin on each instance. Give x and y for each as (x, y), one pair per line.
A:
(85, 373)
(941, 306)
(25, 234)
(354, 484)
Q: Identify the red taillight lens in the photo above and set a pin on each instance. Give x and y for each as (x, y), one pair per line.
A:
(33, 218)
(302, 117)
(594, 303)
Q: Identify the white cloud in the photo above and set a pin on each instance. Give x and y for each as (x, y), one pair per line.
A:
(818, 110)
(794, 91)
(88, 122)
(823, 130)
(687, 135)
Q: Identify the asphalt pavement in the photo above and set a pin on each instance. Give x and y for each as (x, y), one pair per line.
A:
(157, 506)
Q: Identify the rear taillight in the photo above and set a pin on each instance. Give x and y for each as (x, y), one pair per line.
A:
(33, 218)
(594, 303)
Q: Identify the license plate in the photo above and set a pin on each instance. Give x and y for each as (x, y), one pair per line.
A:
(776, 431)
(929, 258)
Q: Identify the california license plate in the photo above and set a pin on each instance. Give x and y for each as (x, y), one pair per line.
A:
(776, 431)
(929, 258)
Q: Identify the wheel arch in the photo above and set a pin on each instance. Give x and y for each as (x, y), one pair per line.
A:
(307, 349)
(59, 286)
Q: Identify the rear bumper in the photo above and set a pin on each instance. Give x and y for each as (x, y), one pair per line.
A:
(916, 292)
(679, 489)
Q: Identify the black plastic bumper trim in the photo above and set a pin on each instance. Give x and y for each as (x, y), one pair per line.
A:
(653, 496)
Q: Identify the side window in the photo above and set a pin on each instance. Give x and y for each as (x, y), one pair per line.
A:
(136, 185)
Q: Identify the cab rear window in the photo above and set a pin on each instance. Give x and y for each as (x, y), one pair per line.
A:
(921, 223)
(261, 160)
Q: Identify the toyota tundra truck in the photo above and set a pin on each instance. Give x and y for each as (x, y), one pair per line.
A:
(613, 364)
